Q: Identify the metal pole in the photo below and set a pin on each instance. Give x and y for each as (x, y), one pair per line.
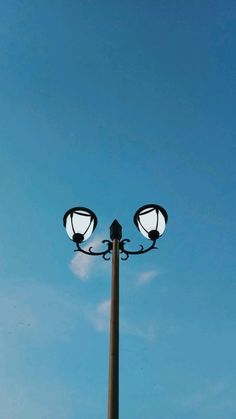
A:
(113, 389)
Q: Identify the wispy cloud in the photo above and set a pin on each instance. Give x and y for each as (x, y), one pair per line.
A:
(34, 316)
(147, 276)
(207, 398)
(83, 265)
(99, 317)
(147, 332)
(38, 311)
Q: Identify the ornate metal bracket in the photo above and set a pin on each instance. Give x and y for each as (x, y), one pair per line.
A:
(105, 254)
(91, 253)
(137, 252)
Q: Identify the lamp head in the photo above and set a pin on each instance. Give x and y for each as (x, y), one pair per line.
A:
(80, 223)
(151, 221)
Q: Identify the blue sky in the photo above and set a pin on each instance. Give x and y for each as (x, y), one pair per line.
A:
(112, 105)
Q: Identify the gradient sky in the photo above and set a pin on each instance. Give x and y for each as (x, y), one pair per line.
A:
(112, 105)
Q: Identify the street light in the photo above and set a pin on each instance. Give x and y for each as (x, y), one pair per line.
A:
(80, 223)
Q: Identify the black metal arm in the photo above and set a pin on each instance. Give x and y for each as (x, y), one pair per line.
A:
(105, 253)
(91, 253)
(137, 252)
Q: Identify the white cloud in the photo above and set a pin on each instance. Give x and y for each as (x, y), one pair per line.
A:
(145, 332)
(147, 276)
(208, 397)
(34, 317)
(83, 265)
(20, 400)
(37, 311)
(99, 317)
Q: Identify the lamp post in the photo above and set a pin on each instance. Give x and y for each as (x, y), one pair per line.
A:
(80, 223)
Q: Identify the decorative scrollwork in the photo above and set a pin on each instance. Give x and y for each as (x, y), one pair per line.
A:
(92, 253)
(136, 252)
(106, 253)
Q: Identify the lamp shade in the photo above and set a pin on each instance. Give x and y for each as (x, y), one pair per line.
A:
(151, 221)
(79, 222)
